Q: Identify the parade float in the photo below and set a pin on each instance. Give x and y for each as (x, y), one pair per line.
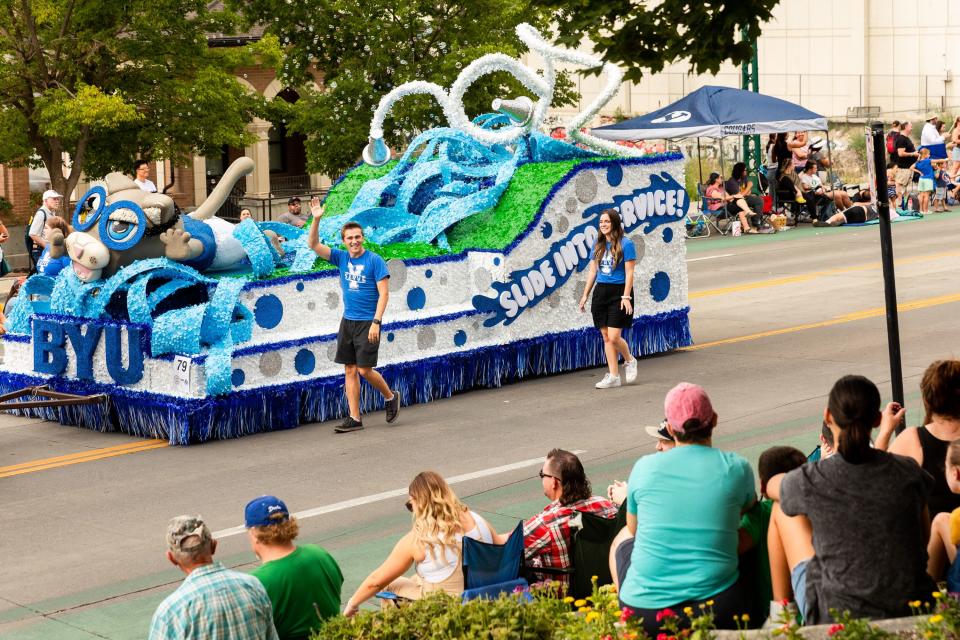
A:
(189, 328)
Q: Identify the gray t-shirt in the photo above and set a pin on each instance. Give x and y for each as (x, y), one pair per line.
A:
(868, 534)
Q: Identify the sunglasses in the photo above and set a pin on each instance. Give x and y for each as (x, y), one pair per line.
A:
(546, 475)
(409, 505)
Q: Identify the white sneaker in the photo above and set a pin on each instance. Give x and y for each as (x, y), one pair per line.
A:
(608, 382)
(630, 369)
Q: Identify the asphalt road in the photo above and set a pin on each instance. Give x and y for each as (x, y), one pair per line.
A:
(776, 320)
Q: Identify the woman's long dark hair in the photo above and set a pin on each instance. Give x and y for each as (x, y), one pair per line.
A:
(854, 405)
(615, 239)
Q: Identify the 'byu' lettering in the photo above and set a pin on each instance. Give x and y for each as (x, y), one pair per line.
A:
(51, 342)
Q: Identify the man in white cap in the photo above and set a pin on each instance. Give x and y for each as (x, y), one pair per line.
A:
(35, 239)
(929, 135)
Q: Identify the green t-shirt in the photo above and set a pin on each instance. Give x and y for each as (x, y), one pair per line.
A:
(688, 503)
(295, 583)
(755, 523)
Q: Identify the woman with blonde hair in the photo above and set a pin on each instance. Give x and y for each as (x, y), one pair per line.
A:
(433, 545)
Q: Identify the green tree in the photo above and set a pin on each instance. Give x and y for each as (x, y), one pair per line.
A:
(643, 36)
(102, 82)
(361, 50)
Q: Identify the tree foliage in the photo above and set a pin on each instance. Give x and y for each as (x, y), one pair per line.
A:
(643, 36)
(108, 81)
(361, 50)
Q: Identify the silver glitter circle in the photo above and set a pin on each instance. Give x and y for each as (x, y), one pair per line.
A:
(443, 279)
(332, 300)
(332, 351)
(311, 306)
(398, 274)
(640, 246)
(586, 187)
(572, 205)
(482, 278)
(476, 325)
(563, 223)
(579, 289)
(554, 299)
(426, 338)
(270, 364)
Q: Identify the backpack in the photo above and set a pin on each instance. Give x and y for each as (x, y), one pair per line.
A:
(891, 141)
(27, 240)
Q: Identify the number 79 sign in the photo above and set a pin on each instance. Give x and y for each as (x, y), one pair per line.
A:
(182, 368)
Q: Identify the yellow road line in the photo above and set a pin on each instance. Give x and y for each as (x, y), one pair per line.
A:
(849, 317)
(146, 445)
(84, 456)
(806, 277)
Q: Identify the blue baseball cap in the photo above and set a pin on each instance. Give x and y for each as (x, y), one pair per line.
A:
(261, 512)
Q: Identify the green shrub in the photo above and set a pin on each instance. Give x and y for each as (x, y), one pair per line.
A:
(547, 617)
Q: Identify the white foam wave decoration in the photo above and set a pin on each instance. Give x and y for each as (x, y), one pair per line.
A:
(543, 87)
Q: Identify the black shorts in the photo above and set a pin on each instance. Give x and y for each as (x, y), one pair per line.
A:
(353, 344)
(605, 307)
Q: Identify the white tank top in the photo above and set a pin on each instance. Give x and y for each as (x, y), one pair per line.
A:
(444, 560)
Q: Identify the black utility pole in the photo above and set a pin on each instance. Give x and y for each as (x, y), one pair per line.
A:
(877, 151)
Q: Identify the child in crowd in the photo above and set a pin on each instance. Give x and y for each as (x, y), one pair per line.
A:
(754, 562)
(924, 167)
(945, 530)
(941, 183)
(868, 511)
(53, 266)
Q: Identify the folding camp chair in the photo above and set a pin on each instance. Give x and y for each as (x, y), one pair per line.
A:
(492, 569)
(700, 223)
(589, 549)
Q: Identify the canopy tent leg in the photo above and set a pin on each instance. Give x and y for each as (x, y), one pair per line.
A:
(831, 176)
(699, 164)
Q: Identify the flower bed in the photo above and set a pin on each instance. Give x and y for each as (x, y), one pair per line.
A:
(545, 614)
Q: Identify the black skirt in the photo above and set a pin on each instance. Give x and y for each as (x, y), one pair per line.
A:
(605, 307)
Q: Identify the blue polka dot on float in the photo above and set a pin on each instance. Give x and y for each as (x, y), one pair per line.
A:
(547, 230)
(667, 234)
(299, 286)
(390, 337)
(304, 362)
(460, 338)
(416, 299)
(428, 273)
(614, 175)
(496, 261)
(268, 311)
(660, 286)
(238, 377)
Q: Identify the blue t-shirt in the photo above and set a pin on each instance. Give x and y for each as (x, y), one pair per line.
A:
(358, 280)
(51, 266)
(607, 272)
(925, 167)
(688, 503)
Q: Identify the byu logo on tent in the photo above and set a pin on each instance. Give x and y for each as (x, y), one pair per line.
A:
(354, 275)
(673, 116)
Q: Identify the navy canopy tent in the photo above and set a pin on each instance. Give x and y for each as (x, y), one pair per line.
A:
(715, 112)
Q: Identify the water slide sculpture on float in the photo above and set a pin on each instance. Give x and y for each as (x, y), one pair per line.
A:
(197, 329)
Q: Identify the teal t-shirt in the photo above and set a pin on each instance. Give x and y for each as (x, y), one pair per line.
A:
(688, 503)
(303, 587)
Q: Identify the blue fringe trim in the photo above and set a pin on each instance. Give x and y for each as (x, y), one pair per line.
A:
(184, 421)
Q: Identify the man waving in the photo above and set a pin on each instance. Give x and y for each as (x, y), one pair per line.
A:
(363, 280)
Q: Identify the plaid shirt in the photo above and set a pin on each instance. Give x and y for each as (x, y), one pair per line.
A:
(546, 536)
(215, 603)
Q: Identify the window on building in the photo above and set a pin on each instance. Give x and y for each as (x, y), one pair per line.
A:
(277, 140)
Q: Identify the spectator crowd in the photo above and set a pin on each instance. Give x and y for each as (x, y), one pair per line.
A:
(796, 178)
(860, 525)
